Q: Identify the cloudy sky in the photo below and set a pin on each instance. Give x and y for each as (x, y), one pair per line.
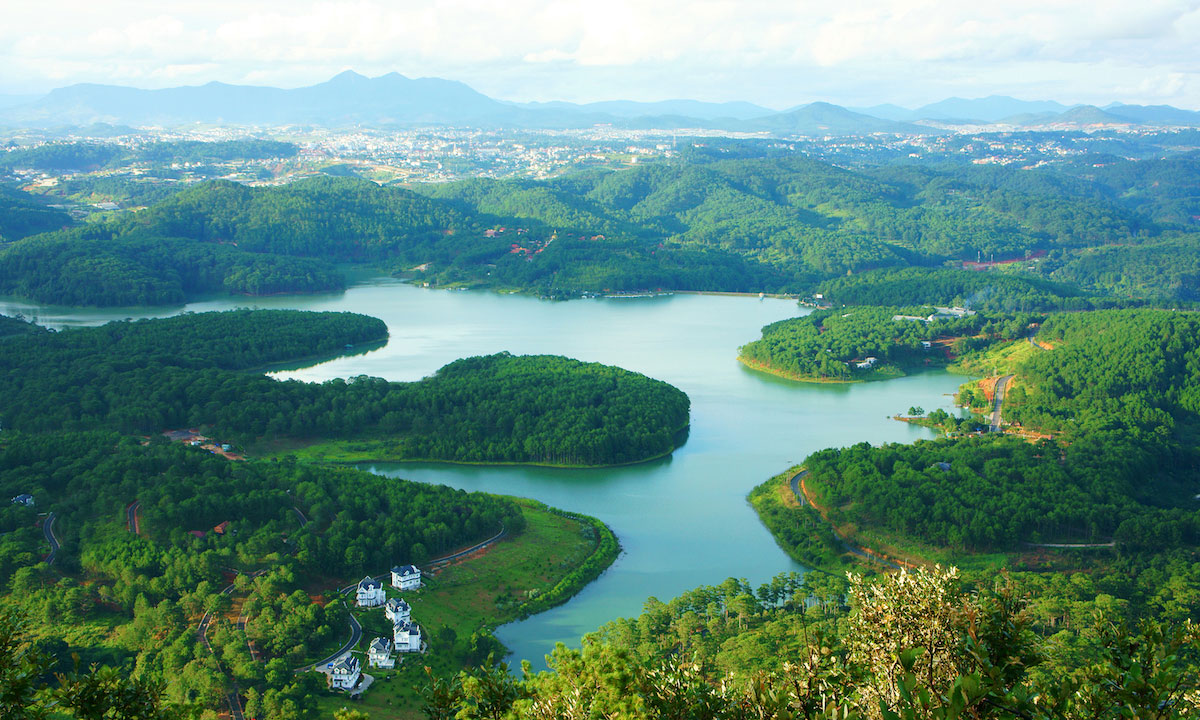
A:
(776, 53)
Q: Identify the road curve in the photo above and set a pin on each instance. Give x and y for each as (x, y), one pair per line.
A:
(355, 636)
(1001, 384)
(848, 546)
(48, 531)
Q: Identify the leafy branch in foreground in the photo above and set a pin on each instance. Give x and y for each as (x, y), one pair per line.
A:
(915, 646)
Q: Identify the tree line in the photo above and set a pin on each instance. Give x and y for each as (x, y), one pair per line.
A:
(153, 375)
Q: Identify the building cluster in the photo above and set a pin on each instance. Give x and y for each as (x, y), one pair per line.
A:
(345, 672)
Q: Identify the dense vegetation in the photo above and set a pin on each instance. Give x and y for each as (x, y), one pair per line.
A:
(920, 645)
(1119, 391)
(22, 215)
(93, 266)
(18, 326)
(1001, 292)
(153, 586)
(708, 223)
(832, 344)
(152, 375)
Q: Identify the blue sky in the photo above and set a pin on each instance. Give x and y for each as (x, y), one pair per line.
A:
(779, 54)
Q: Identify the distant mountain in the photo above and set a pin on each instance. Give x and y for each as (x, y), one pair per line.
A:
(1089, 115)
(1155, 114)
(988, 109)
(347, 98)
(394, 100)
(887, 111)
(822, 118)
(680, 108)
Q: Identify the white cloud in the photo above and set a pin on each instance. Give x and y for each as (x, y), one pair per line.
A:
(899, 50)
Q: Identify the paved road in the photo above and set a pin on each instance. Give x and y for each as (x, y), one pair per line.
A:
(355, 636)
(234, 698)
(436, 562)
(1001, 384)
(463, 553)
(796, 487)
(846, 545)
(1069, 546)
(48, 531)
(303, 520)
(131, 517)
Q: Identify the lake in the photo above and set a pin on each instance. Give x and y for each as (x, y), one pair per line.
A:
(683, 521)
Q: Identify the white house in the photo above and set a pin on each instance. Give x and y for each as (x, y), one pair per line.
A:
(869, 362)
(370, 593)
(344, 672)
(407, 636)
(23, 499)
(397, 610)
(380, 654)
(406, 577)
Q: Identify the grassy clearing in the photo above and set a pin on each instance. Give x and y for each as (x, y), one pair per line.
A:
(997, 359)
(477, 593)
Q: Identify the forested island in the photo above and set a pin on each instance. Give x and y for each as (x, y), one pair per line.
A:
(721, 219)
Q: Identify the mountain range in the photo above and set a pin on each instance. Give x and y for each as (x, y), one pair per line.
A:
(394, 100)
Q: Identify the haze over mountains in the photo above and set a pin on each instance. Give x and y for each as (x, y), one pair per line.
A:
(353, 99)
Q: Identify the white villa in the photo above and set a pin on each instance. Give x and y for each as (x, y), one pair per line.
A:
(397, 610)
(407, 636)
(370, 593)
(344, 672)
(406, 577)
(380, 654)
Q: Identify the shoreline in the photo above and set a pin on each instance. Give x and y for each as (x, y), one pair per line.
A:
(764, 368)
(489, 463)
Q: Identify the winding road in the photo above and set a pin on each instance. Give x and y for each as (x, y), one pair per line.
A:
(48, 531)
(355, 636)
(234, 697)
(800, 492)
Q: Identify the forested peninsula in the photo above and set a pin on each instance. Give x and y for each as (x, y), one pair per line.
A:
(1113, 412)
(718, 220)
(189, 371)
(873, 343)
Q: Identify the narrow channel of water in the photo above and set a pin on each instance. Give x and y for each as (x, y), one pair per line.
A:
(683, 521)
